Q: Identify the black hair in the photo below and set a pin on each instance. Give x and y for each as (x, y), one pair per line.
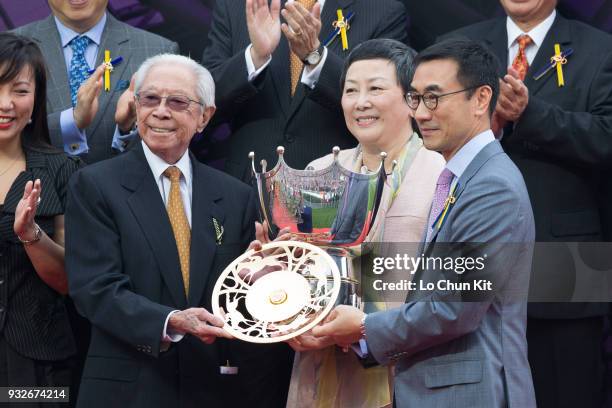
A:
(477, 64)
(16, 53)
(383, 48)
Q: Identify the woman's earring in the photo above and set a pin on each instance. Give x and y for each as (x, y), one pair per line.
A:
(29, 121)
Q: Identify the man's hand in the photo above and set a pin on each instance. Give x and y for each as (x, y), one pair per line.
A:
(125, 114)
(343, 325)
(308, 342)
(198, 322)
(513, 98)
(87, 99)
(302, 28)
(263, 23)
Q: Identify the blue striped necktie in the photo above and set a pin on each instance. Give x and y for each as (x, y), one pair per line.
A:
(78, 65)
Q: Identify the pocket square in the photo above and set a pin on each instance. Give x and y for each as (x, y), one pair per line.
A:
(122, 85)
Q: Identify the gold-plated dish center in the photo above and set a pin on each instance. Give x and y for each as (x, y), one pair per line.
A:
(278, 297)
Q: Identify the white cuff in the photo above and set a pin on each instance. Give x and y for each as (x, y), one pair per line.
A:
(169, 336)
(252, 72)
(74, 139)
(310, 75)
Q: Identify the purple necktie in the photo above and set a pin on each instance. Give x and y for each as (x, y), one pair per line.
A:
(442, 189)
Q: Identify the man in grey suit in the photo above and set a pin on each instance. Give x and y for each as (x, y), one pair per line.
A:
(459, 346)
(85, 119)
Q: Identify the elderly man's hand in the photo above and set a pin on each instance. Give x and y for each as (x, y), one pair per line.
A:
(343, 325)
(198, 322)
(125, 114)
(513, 98)
(87, 99)
(302, 28)
(263, 23)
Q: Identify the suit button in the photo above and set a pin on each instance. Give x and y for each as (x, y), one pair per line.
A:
(289, 138)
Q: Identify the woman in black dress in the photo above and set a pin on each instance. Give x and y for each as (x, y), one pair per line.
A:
(35, 338)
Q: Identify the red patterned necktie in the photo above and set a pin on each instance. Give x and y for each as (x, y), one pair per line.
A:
(520, 62)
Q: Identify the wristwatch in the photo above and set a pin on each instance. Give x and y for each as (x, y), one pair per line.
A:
(37, 235)
(314, 57)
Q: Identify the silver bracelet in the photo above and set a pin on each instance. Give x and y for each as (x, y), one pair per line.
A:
(37, 235)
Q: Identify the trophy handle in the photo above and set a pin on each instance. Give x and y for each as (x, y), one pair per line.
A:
(263, 214)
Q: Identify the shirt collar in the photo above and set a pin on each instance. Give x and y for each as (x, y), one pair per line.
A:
(459, 162)
(67, 34)
(158, 165)
(537, 33)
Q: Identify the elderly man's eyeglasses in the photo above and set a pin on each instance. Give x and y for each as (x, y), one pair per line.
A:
(430, 99)
(177, 103)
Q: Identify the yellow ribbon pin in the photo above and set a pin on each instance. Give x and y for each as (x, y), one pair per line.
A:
(450, 200)
(107, 70)
(342, 25)
(559, 61)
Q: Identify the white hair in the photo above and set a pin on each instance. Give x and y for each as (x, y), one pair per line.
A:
(205, 86)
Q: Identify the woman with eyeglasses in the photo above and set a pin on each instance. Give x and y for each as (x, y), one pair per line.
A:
(374, 81)
(36, 342)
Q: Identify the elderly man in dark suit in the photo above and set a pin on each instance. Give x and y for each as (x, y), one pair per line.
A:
(286, 91)
(85, 119)
(148, 233)
(560, 138)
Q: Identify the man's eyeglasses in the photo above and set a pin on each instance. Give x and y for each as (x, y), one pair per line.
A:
(177, 103)
(430, 99)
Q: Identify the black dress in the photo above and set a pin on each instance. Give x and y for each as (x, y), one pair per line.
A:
(36, 343)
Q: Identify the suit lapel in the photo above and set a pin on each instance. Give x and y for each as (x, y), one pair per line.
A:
(115, 38)
(148, 209)
(206, 204)
(481, 158)
(498, 42)
(559, 33)
(328, 16)
(57, 82)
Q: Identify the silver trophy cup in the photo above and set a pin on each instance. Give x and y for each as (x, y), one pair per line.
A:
(289, 286)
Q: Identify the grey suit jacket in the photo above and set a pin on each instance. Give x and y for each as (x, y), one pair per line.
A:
(453, 350)
(133, 44)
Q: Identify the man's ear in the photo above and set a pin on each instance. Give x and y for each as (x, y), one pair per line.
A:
(207, 114)
(482, 99)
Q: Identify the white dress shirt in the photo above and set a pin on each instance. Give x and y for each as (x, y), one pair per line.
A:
(158, 166)
(537, 35)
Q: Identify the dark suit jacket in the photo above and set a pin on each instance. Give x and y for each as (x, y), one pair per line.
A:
(262, 114)
(133, 44)
(33, 319)
(124, 276)
(561, 143)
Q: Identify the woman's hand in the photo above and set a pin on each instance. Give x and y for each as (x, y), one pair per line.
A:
(24, 226)
(308, 342)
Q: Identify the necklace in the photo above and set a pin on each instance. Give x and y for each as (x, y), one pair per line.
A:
(9, 166)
